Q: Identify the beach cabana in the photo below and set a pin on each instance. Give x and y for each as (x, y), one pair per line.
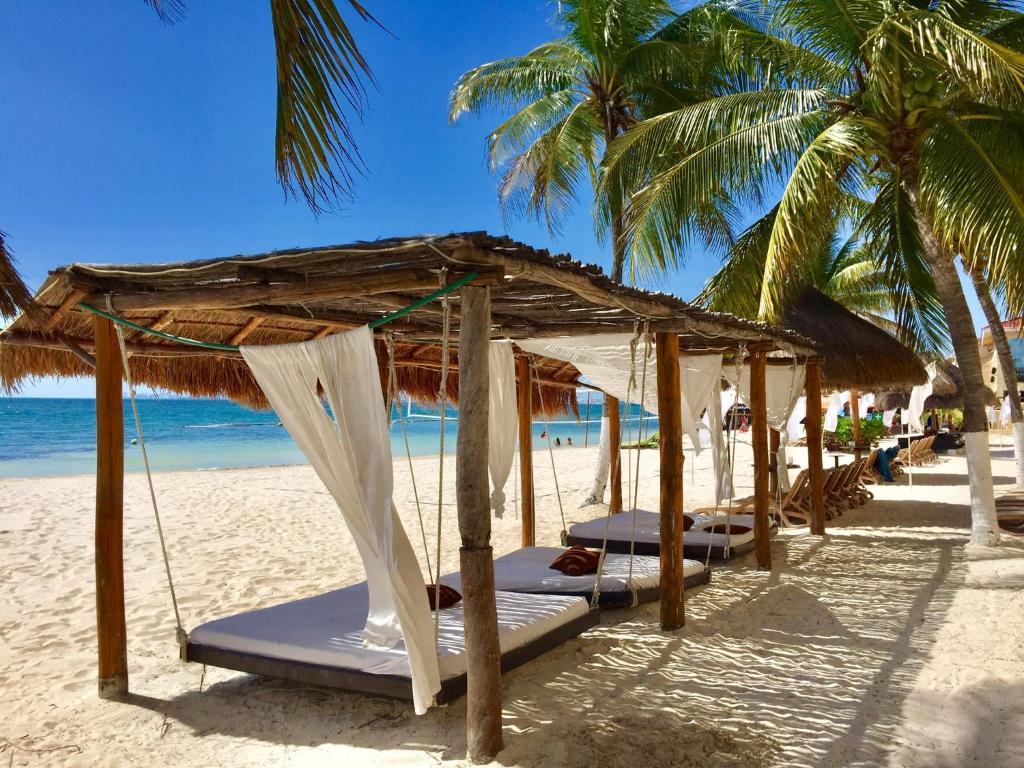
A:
(180, 326)
(947, 392)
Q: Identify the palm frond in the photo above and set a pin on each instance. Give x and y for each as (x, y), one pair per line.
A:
(321, 76)
(14, 294)
(169, 11)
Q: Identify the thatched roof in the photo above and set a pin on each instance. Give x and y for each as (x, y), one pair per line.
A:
(947, 392)
(857, 353)
(297, 295)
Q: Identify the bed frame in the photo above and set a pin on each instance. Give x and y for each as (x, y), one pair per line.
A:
(624, 598)
(653, 549)
(389, 686)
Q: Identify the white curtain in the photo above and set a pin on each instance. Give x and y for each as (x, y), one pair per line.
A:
(502, 421)
(794, 426)
(699, 377)
(888, 417)
(918, 395)
(835, 406)
(1004, 412)
(719, 447)
(352, 456)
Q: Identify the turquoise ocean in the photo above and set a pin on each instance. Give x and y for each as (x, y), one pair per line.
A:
(48, 436)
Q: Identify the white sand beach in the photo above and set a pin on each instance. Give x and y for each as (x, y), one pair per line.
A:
(885, 644)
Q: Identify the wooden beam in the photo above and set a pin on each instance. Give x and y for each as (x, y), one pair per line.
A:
(759, 428)
(483, 654)
(70, 302)
(671, 498)
(239, 295)
(326, 331)
(111, 633)
(855, 421)
(611, 405)
(812, 426)
(246, 330)
(525, 394)
(140, 348)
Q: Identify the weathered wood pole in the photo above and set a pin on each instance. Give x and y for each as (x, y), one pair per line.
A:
(855, 421)
(774, 439)
(611, 404)
(759, 428)
(812, 426)
(526, 450)
(111, 634)
(483, 654)
(671, 449)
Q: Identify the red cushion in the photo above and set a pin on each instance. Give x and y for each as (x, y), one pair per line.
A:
(688, 522)
(576, 561)
(448, 597)
(732, 530)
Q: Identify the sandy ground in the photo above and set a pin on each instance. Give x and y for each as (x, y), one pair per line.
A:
(886, 643)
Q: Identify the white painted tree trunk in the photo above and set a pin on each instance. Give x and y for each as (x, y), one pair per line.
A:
(603, 461)
(984, 524)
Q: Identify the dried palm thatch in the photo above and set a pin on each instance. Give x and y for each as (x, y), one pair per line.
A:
(14, 294)
(947, 392)
(294, 296)
(857, 353)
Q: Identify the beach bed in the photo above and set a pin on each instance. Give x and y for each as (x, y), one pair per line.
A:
(646, 535)
(528, 570)
(319, 640)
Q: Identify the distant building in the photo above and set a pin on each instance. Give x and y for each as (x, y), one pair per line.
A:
(990, 363)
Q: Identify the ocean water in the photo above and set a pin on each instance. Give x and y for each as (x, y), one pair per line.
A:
(45, 437)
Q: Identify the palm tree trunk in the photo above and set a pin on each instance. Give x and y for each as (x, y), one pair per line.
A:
(984, 526)
(1002, 344)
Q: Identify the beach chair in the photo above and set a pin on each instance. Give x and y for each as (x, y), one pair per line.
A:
(870, 473)
(1010, 511)
(794, 505)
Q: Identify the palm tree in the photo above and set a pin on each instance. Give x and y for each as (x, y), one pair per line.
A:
(616, 63)
(854, 267)
(918, 100)
(321, 76)
(14, 295)
(1006, 364)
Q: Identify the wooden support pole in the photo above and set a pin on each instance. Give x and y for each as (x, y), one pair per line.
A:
(111, 634)
(611, 405)
(855, 422)
(483, 654)
(759, 430)
(670, 416)
(526, 450)
(812, 426)
(774, 438)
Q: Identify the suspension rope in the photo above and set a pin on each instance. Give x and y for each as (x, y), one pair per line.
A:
(180, 633)
(394, 394)
(636, 485)
(442, 396)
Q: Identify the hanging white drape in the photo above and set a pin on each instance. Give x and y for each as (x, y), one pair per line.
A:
(835, 407)
(990, 414)
(1004, 412)
(351, 454)
(699, 377)
(719, 447)
(502, 421)
(918, 395)
(794, 425)
(888, 417)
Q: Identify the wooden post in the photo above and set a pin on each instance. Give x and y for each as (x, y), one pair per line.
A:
(611, 405)
(526, 450)
(759, 429)
(111, 634)
(855, 422)
(483, 654)
(774, 438)
(671, 449)
(812, 426)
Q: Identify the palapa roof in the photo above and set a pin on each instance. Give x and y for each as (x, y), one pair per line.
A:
(857, 353)
(301, 294)
(947, 392)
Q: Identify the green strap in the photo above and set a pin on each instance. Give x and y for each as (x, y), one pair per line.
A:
(373, 325)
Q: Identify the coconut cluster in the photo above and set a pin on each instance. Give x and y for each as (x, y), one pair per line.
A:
(920, 91)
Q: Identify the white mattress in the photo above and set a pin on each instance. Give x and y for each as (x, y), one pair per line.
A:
(327, 630)
(648, 530)
(529, 570)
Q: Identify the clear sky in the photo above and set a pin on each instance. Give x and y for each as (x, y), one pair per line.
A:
(127, 140)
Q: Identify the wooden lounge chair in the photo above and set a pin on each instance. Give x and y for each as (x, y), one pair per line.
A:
(795, 504)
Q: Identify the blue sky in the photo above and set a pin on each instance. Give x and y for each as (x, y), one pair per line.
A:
(127, 140)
